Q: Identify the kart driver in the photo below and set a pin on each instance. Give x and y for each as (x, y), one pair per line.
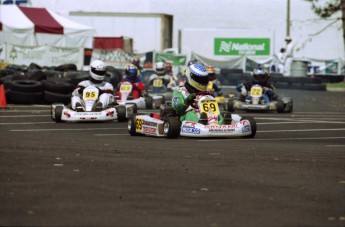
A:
(132, 75)
(197, 81)
(97, 74)
(261, 77)
(214, 85)
(161, 73)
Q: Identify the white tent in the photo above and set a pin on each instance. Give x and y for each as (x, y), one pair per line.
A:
(28, 26)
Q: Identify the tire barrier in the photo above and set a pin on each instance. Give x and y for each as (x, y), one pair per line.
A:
(34, 84)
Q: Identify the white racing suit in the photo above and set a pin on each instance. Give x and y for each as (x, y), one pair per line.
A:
(105, 98)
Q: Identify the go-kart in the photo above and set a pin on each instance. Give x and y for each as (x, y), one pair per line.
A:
(256, 100)
(62, 113)
(147, 102)
(160, 92)
(167, 123)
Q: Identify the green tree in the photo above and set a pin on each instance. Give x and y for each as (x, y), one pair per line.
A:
(328, 9)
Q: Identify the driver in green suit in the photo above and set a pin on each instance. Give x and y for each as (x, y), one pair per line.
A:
(197, 81)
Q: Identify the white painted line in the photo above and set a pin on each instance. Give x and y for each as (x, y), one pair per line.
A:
(63, 129)
(28, 123)
(274, 139)
(127, 134)
(305, 130)
(26, 116)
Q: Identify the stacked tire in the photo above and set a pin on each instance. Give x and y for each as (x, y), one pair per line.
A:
(57, 90)
(25, 92)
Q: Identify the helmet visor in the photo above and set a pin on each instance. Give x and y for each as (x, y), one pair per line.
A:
(202, 80)
(98, 72)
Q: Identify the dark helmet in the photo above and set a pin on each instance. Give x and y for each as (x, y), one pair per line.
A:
(97, 71)
(136, 61)
(197, 78)
(132, 72)
(260, 75)
(211, 72)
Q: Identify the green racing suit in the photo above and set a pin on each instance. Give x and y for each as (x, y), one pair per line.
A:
(180, 105)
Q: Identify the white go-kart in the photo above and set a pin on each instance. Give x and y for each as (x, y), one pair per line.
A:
(167, 123)
(62, 113)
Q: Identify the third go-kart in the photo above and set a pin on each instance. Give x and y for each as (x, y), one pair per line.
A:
(256, 100)
(148, 102)
(62, 113)
(139, 103)
(160, 92)
(167, 123)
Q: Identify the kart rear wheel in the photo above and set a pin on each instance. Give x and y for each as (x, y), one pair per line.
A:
(252, 125)
(230, 105)
(121, 113)
(280, 106)
(172, 127)
(132, 125)
(58, 114)
(149, 102)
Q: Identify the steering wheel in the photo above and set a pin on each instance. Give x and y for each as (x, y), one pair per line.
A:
(195, 104)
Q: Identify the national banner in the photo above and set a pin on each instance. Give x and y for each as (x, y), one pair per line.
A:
(175, 59)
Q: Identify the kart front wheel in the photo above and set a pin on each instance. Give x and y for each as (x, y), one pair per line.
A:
(132, 125)
(280, 106)
(58, 114)
(171, 127)
(121, 113)
(252, 125)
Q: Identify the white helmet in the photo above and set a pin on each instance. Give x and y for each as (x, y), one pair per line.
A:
(160, 68)
(97, 71)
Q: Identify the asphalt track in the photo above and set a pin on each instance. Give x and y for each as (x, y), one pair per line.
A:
(292, 173)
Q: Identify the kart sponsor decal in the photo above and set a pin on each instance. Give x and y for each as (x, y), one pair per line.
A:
(189, 129)
(222, 126)
(174, 101)
(66, 114)
(148, 130)
(149, 123)
(85, 114)
(212, 118)
(221, 130)
(139, 125)
(246, 126)
(189, 123)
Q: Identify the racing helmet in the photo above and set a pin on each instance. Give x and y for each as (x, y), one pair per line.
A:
(211, 72)
(136, 61)
(97, 71)
(132, 72)
(260, 75)
(197, 78)
(160, 68)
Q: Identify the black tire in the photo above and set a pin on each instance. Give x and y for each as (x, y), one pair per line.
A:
(58, 86)
(121, 113)
(26, 86)
(51, 97)
(20, 97)
(230, 105)
(37, 75)
(280, 106)
(58, 114)
(163, 100)
(252, 125)
(132, 125)
(66, 67)
(149, 102)
(172, 127)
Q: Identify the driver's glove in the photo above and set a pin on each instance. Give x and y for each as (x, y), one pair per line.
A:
(190, 98)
